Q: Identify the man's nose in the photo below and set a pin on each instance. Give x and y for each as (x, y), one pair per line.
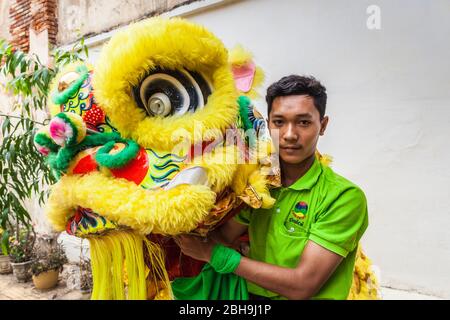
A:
(290, 134)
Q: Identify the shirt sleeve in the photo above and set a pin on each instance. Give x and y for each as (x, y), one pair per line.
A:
(244, 216)
(340, 226)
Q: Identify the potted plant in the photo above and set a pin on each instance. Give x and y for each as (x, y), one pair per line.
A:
(85, 276)
(5, 265)
(21, 252)
(47, 265)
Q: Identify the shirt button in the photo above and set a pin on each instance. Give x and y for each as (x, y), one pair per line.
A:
(277, 210)
(291, 229)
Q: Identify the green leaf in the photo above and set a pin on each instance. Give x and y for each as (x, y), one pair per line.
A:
(6, 126)
(12, 151)
(5, 242)
(4, 219)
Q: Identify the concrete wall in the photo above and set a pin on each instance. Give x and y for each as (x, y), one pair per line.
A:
(81, 17)
(389, 112)
(4, 34)
(4, 19)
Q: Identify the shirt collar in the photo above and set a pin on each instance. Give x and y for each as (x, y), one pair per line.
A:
(309, 179)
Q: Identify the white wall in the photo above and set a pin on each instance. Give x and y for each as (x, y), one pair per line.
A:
(389, 112)
(389, 93)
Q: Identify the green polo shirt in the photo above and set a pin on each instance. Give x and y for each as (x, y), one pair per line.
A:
(322, 207)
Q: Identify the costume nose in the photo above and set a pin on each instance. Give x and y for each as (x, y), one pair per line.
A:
(44, 142)
(67, 128)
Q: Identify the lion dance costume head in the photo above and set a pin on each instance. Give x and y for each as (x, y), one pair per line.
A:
(152, 143)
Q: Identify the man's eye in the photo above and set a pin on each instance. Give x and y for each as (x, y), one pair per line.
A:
(304, 123)
(278, 123)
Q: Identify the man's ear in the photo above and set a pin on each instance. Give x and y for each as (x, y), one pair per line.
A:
(323, 125)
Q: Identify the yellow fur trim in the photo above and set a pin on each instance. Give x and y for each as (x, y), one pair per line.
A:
(249, 175)
(220, 165)
(240, 180)
(324, 159)
(171, 44)
(168, 212)
(54, 109)
(259, 183)
(225, 167)
(238, 56)
(365, 285)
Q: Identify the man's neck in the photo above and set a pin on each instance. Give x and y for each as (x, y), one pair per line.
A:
(290, 173)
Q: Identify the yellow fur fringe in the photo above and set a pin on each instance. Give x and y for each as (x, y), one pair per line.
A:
(365, 285)
(119, 268)
(324, 159)
(167, 212)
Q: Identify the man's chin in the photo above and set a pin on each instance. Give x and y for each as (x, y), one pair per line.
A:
(293, 159)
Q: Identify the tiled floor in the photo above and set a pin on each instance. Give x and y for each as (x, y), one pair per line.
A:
(10, 289)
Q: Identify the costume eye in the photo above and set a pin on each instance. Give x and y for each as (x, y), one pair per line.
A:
(171, 92)
(159, 105)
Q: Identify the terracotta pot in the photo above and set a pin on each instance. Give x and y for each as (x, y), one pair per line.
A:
(5, 265)
(22, 270)
(46, 280)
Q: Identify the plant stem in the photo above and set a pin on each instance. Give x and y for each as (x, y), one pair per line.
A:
(21, 118)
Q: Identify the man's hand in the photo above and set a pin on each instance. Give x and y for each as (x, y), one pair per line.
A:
(195, 247)
(228, 233)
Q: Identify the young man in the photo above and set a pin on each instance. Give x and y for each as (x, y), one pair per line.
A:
(305, 246)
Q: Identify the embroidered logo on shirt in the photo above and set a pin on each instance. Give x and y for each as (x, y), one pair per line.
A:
(298, 214)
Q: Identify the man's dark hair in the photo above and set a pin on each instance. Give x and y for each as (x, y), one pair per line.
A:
(298, 85)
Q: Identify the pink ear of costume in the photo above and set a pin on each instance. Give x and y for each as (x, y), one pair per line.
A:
(243, 76)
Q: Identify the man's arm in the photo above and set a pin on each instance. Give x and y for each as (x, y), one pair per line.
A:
(316, 265)
(229, 232)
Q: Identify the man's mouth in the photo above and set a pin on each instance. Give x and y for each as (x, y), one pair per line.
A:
(291, 148)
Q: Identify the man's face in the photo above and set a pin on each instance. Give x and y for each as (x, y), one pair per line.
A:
(299, 126)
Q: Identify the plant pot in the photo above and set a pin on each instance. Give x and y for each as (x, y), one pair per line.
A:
(46, 280)
(22, 270)
(86, 293)
(5, 265)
